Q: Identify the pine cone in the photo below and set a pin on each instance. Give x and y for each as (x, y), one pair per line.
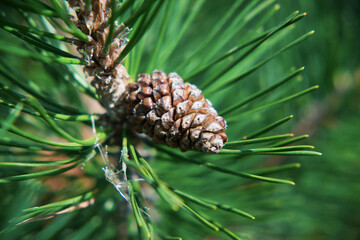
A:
(109, 76)
(165, 108)
(174, 113)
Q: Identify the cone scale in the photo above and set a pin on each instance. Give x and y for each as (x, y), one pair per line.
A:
(174, 113)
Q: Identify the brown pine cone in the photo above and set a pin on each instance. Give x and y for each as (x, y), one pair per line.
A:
(174, 113)
(109, 76)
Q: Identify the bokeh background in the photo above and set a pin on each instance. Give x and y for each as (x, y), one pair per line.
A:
(325, 203)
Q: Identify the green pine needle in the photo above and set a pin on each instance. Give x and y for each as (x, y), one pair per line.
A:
(39, 80)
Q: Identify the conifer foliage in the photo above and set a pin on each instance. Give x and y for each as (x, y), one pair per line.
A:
(153, 173)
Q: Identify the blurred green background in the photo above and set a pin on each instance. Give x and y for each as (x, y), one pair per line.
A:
(325, 203)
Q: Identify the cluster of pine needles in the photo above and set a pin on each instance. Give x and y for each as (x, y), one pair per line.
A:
(42, 143)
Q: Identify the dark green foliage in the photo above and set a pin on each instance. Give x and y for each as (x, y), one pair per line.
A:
(243, 54)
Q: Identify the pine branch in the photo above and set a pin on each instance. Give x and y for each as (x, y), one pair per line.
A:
(142, 170)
